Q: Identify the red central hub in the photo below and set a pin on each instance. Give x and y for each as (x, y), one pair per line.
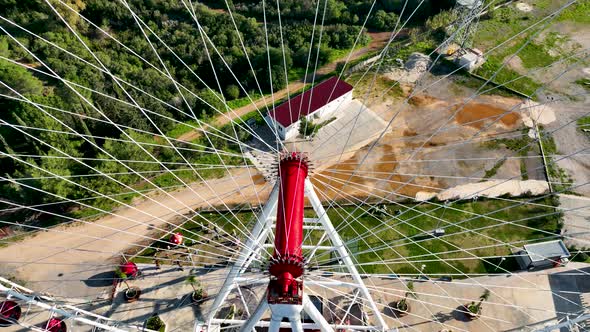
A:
(286, 264)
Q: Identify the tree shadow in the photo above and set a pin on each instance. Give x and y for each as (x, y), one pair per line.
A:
(391, 310)
(103, 279)
(442, 317)
(460, 314)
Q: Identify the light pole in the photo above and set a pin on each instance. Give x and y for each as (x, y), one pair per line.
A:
(498, 266)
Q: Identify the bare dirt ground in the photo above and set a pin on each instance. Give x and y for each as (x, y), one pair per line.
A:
(571, 101)
(378, 40)
(413, 151)
(572, 145)
(576, 220)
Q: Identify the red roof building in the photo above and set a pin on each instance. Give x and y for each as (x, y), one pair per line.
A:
(317, 102)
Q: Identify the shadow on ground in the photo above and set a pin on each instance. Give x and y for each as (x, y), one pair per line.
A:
(102, 279)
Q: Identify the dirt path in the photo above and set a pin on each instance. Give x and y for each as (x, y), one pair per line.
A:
(61, 260)
(378, 40)
(260, 104)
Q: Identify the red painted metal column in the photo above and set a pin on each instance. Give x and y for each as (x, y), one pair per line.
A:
(287, 262)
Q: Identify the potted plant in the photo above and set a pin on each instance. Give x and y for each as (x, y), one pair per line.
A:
(402, 306)
(132, 293)
(199, 293)
(155, 323)
(473, 310)
(231, 315)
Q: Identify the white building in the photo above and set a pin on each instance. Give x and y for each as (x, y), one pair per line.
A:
(470, 59)
(315, 104)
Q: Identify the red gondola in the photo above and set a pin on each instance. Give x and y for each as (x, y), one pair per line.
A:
(176, 238)
(10, 312)
(56, 325)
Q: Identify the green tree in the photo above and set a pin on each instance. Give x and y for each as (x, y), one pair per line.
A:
(306, 127)
(384, 21)
(441, 20)
(70, 15)
(475, 308)
(19, 79)
(209, 103)
(278, 61)
(232, 92)
(403, 303)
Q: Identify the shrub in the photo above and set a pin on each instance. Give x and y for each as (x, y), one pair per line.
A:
(232, 92)
(155, 323)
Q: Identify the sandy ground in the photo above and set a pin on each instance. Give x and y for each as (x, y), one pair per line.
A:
(572, 145)
(488, 189)
(525, 7)
(415, 150)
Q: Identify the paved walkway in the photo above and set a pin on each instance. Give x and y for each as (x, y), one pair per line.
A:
(577, 221)
(528, 298)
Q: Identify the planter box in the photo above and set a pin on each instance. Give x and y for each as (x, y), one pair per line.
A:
(132, 294)
(470, 315)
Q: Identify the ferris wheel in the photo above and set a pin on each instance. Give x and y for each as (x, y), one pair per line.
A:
(305, 166)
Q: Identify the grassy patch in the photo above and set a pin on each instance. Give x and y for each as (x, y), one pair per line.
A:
(342, 54)
(584, 82)
(521, 144)
(393, 241)
(492, 171)
(507, 77)
(584, 124)
(308, 128)
(500, 26)
(241, 102)
(415, 228)
(464, 78)
(381, 85)
(534, 55)
(556, 173)
(182, 128)
(578, 12)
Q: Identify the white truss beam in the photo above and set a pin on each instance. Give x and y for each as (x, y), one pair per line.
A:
(74, 314)
(261, 231)
(341, 249)
(247, 254)
(569, 323)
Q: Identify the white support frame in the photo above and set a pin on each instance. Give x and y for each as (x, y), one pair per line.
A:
(74, 314)
(261, 231)
(568, 323)
(343, 252)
